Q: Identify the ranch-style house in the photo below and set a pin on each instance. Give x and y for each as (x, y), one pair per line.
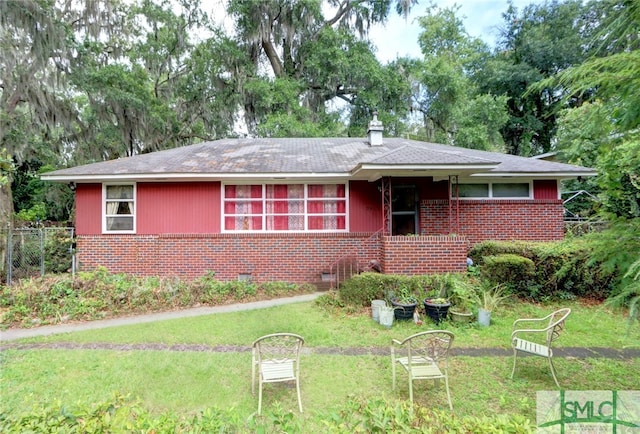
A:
(294, 209)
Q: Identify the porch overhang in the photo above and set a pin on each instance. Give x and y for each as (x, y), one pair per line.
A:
(373, 172)
(537, 175)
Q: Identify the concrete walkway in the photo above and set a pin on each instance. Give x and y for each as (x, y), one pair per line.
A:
(16, 334)
(13, 334)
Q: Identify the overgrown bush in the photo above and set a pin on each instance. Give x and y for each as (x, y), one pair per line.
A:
(356, 415)
(99, 294)
(563, 269)
(57, 252)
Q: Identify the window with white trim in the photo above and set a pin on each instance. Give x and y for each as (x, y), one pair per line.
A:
(285, 207)
(119, 204)
(492, 190)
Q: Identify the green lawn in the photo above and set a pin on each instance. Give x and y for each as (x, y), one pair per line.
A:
(188, 382)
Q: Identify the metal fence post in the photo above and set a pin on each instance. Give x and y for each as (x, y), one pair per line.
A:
(9, 254)
(41, 233)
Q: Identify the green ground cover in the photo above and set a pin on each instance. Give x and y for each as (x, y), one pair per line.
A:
(188, 382)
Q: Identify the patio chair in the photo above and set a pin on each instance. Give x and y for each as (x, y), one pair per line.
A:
(425, 357)
(276, 358)
(540, 334)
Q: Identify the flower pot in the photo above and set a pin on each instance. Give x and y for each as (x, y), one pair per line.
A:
(403, 311)
(436, 311)
(375, 309)
(386, 316)
(460, 317)
(484, 317)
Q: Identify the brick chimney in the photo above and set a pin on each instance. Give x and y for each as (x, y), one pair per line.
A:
(374, 134)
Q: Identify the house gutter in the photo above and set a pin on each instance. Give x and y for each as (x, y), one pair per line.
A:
(192, 177)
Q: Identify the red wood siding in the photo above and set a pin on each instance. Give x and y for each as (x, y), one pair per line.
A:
(178, 208)
(88, 209)
(545, 189)
(365, 207)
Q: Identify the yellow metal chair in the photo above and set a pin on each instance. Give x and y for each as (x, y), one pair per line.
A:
(276, 358)
(424, 356)
(540, 333)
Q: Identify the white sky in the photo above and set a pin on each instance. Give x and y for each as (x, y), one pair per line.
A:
(399, 37)
(481, 19)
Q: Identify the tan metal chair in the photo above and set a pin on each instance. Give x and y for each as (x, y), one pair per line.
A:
(425, 357)
(540, 333)
(276, 358)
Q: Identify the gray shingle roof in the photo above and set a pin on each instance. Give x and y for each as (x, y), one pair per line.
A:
(331, 156)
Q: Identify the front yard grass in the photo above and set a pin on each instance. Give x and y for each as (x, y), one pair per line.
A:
(187, 382)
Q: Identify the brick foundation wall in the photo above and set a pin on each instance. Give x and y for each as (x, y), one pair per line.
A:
(480, 220)
(296, 258)
(424, 254)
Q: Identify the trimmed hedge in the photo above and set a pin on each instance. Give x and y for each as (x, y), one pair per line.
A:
(360, 289)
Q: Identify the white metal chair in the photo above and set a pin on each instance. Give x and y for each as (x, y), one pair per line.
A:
(540, 335)
(424, 357)
(276, 358)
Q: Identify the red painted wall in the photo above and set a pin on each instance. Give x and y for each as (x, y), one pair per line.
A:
(545, 189)
(169, 208)
(88, 209)
(365, 207)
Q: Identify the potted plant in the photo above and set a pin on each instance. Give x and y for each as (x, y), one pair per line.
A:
(436, 306)
(462, 301)
(404, 302)
(490, 297)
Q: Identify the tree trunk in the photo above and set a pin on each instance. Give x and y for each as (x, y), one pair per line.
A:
(6, 214)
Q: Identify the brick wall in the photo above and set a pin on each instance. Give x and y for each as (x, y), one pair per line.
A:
(479, 220)
(294, 258)
(424, 254)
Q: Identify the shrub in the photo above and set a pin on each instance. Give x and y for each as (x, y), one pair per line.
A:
(57, 251)
(361, 289)
(563, 269)
(516, 270)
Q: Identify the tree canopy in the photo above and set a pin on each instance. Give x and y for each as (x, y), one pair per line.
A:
(85, 81)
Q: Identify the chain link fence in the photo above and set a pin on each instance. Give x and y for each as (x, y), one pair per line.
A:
(30, 252)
